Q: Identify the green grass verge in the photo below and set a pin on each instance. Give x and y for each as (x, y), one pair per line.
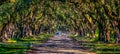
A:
(98, 47)
(21, 45)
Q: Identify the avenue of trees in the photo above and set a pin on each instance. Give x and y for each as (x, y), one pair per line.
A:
(94, 18)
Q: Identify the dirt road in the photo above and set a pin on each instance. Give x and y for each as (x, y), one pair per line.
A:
(59, 45)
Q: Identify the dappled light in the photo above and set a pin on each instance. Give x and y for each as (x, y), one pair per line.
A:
(59, 26)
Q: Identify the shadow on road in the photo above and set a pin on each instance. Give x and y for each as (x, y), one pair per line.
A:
(59, 45)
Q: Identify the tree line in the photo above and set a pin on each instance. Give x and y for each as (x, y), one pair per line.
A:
(98, 18)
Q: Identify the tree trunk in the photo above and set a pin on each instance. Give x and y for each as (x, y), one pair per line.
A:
(101, 36)
(116, 32)
(108, 34)
(7, 32)
(117, 36)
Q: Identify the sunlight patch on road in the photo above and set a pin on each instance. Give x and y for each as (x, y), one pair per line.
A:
(74, 51)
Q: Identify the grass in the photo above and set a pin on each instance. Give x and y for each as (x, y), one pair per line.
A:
(20, 46)
(14, 48)
(96, 46)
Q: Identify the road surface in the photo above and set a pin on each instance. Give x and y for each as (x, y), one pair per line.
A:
(59, 45)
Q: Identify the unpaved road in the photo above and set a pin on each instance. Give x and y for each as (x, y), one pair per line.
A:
(59, 45)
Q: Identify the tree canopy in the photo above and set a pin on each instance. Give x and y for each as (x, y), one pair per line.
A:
(94, 18)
